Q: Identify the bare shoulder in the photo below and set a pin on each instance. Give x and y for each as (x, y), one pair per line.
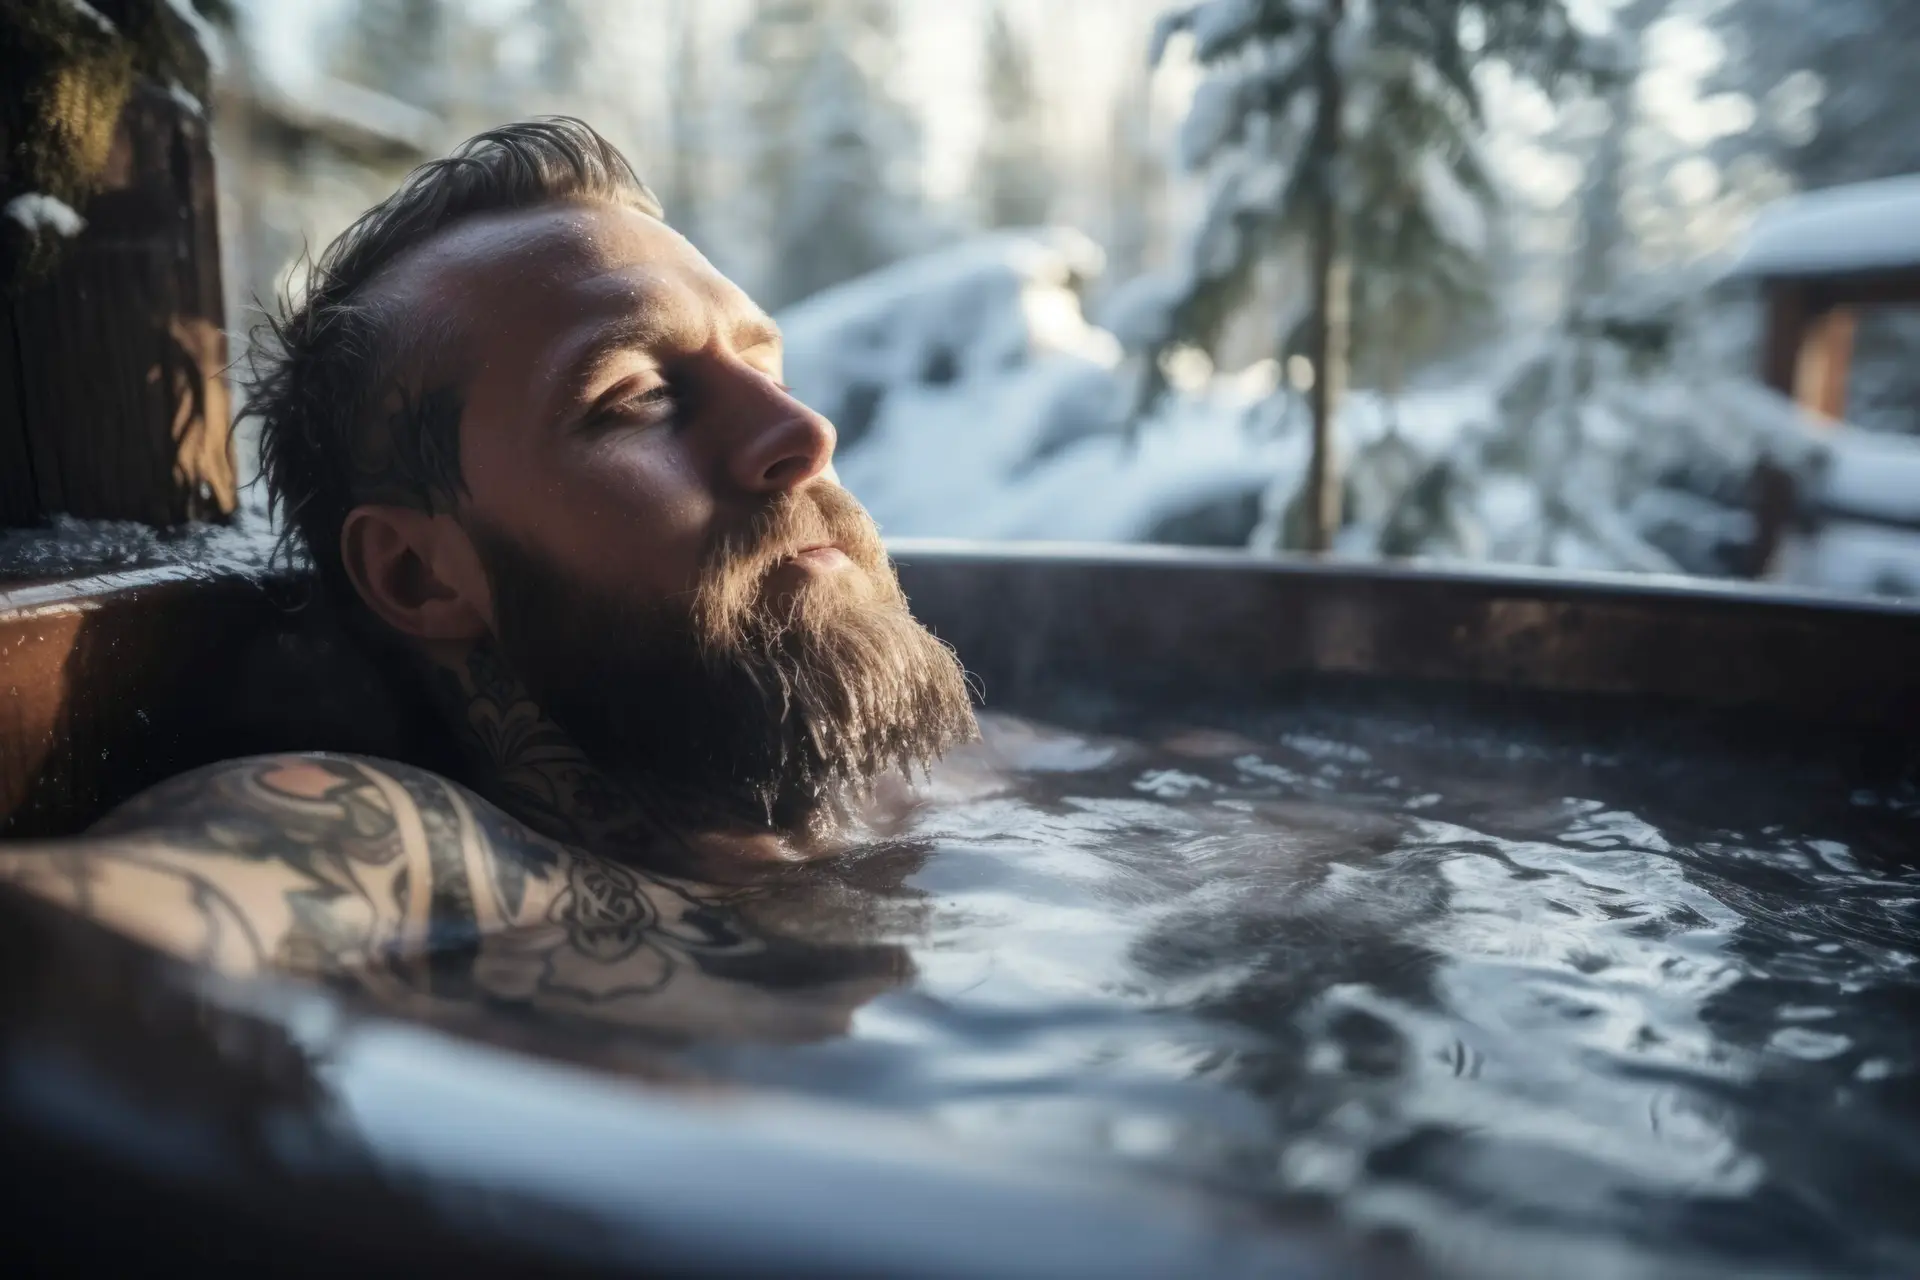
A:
(312, 809)
(274, 804)
(324, 864)
(411, 888)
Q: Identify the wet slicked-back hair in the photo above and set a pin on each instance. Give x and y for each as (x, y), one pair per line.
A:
(349, 388)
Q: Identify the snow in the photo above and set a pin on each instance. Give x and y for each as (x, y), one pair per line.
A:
(947, 320)
(39, 212)
(1871, 475)
(1859, 227)
(187, 102)
(203, 33)
(1220, 22)
(1509, 506)
(1139, 312)
(1854, 557)
(1215, 113)
(1020, 435)
(93, 15)
(1165, 27)
(966, 465)
(68, 547)
(1456, 215)
(1693, 528)
(1644, 462)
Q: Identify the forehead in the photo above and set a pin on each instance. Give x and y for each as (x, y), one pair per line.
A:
(510, 276)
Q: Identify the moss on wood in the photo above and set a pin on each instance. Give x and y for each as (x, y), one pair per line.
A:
(69, 66)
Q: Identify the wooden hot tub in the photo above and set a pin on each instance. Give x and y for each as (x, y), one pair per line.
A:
(164, 1111)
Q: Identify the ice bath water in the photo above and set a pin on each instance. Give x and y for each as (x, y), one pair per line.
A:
(1528, 1005)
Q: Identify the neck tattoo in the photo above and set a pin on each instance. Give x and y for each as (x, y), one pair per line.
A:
(529, 766)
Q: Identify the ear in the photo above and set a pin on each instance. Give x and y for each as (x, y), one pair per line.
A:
(418, 572)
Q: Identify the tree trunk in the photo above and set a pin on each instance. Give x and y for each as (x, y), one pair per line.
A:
(1331, 325)
(113, 400)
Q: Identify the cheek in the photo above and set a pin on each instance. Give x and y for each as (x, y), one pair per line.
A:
(621, 513)
(638, 512)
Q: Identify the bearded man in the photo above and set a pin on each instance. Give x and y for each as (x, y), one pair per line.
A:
(541, 450)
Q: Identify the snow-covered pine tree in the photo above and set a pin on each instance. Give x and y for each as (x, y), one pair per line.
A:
(1417, 234)
(833, 170)
(1301, 99)
(1558, 429)
(1014, 179)
(1421, 285)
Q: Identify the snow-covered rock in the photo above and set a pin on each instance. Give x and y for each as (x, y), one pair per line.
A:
(975, 400)
(950, 319)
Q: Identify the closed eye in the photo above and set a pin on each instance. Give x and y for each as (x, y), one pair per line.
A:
(650, 406)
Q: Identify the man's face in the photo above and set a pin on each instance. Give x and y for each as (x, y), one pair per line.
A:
(622, 399)
(673, 569)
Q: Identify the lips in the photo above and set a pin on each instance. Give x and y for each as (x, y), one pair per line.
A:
(822, 555)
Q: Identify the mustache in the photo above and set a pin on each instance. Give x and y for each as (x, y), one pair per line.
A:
(739, 559)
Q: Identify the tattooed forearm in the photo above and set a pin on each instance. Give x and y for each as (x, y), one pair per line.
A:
(176, 908)
(401, 884)
(295, 863)
(405, 886)
(331, 865)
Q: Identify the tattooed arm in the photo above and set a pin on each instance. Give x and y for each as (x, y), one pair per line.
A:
(390, 878)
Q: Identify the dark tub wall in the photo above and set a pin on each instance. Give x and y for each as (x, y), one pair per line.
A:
(110, 684)
(1162, 623)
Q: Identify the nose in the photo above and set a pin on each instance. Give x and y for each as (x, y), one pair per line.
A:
(780, 444)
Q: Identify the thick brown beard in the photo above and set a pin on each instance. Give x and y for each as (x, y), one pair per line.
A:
(755, 707)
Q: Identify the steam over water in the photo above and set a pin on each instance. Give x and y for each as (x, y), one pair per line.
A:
(1534, 1007)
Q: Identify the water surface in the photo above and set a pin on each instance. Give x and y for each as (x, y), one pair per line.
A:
(1531, 1002)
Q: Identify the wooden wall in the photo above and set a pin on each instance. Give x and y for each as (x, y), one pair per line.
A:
(113, 400)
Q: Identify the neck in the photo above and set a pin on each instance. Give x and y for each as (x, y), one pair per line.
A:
(521, 760)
